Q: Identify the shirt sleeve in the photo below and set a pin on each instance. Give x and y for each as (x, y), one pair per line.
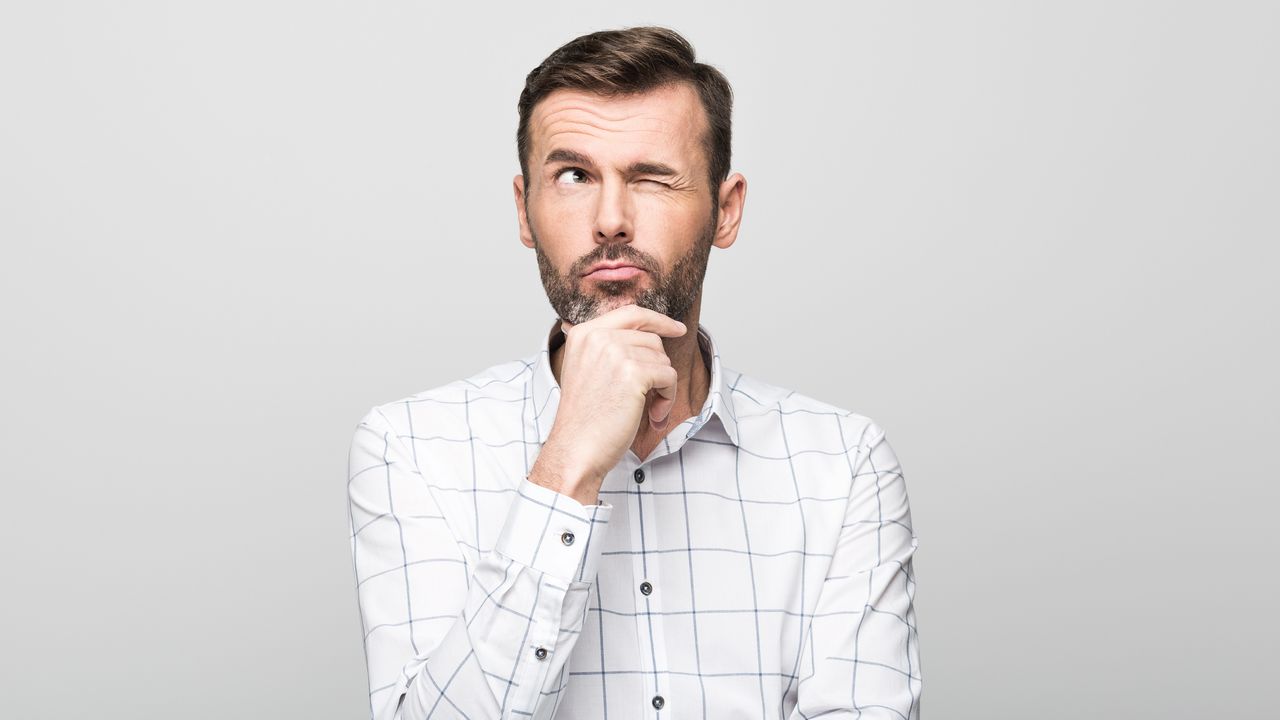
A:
(862, 653)
(493, 646)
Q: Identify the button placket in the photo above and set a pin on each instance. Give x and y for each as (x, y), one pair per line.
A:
(643, 516)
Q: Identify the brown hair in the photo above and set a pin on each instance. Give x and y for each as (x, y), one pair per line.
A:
(628, 62)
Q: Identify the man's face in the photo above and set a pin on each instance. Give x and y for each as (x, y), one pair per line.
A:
(620, 180)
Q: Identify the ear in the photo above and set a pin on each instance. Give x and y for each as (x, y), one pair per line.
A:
(526, 237)
(731, 196)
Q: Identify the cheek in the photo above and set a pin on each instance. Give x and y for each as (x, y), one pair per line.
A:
(563, 229)
(665, 218)
(561, 214)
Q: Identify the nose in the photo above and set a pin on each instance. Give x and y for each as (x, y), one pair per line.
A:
(613, 213)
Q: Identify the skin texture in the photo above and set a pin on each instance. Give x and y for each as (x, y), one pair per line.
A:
(599, 207)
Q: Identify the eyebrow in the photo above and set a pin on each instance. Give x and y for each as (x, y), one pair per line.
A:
(635, 168)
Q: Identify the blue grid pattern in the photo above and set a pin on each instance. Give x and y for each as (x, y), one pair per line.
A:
(758, 563)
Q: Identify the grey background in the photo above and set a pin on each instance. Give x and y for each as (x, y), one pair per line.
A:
(1037, 242)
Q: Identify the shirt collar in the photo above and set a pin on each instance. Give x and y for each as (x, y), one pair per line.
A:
(544, 391)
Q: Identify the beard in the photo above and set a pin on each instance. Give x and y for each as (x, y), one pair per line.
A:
(672, 292)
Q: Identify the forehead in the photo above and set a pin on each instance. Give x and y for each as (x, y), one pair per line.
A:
(664, 124)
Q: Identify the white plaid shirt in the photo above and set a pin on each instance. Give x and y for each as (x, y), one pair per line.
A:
(756, 564)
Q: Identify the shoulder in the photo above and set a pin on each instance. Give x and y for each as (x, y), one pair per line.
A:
(766, 409)
(451, 403)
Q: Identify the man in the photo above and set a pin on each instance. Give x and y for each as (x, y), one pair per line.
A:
(619, 525)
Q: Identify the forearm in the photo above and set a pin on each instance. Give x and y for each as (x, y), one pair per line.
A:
(448, 634)
(522, 615)
(862, 652)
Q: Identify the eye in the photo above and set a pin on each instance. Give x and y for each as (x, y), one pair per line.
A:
(563, 172)
(656, 182)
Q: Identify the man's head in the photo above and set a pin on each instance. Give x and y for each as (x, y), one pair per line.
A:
(624, 143)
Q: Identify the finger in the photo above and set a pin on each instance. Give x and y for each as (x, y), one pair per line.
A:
(634, 338)
(645, 353)
(634, 317)
(663, 379)
(654, 408)
(660, 412)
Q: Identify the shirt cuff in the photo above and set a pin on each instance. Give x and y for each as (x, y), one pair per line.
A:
(553, 533)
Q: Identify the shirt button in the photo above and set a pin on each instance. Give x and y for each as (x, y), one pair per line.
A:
(540, 653)
(658, 702)
(639, 475)
(566, 537)
(646, 588)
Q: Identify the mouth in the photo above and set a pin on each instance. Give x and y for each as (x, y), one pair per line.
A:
(618, 272)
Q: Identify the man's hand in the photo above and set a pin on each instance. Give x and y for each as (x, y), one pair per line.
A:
(610, 365)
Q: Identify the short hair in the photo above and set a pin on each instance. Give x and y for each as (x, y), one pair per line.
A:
(632, 61)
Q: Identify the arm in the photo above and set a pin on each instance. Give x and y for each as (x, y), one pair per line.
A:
(443, 639)
(862, 656)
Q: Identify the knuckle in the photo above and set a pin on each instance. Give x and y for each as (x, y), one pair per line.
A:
(630, 372)
(614, 351)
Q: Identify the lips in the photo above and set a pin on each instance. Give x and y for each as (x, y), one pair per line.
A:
(616, 272)
(609, 266)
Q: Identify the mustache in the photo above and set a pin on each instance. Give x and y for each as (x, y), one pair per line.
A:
(608, 256)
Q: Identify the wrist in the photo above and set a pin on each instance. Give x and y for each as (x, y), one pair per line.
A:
(554, 470)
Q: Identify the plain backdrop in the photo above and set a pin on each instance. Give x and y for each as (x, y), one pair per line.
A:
(1037, 242)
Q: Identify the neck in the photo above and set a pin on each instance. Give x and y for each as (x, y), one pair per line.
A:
(692, 385)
